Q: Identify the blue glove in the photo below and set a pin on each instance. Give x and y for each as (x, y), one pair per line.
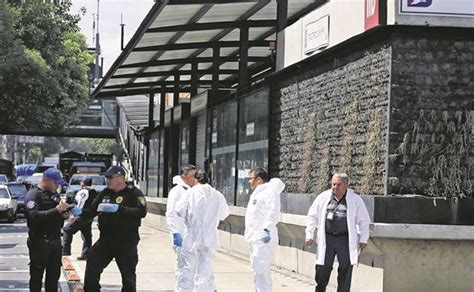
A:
(266, 238)
(76, 211)
(177, 239)
(107, 208)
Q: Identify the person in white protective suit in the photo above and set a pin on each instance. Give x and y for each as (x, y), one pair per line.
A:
(342, 222)
(182, 182)
(202, 207)
(261, 218)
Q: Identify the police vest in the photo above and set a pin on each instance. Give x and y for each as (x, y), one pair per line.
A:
(49, 226)
(120, 224)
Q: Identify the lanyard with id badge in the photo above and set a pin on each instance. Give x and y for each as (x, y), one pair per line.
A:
(330, 214)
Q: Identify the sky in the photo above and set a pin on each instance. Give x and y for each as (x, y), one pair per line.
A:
(133, 11)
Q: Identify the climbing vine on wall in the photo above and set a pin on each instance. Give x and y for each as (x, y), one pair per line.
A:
(348, 139)
(437, 149)
(370, 165)
(324, 174)
(309, 148)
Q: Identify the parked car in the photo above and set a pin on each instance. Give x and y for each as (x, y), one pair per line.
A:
(98, 183)
(18, 191)
(3, 179)
(7, 205)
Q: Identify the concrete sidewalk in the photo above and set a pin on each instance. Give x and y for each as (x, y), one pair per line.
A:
(155, 271)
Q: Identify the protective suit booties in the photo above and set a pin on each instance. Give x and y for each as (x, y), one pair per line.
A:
(202, 207)
(261, 218)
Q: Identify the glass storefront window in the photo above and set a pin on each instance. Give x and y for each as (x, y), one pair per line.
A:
(152, 170)
(161, 163)
(184, 143)
(253, 139)
(223, 140)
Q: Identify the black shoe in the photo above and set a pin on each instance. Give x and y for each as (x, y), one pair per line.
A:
(81, 258)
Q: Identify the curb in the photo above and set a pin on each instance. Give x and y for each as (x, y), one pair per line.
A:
(72, 277)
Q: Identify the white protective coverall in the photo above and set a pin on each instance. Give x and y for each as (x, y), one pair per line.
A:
(202, 207)
(176, 223)
(263, 212)
(358, 221)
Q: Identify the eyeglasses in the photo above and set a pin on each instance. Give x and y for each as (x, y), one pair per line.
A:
(249, 178)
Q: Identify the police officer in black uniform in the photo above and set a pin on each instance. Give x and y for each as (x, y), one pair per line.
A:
(45, 214)
(120, 209)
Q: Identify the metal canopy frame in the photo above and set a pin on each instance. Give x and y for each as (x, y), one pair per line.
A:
(200, 43)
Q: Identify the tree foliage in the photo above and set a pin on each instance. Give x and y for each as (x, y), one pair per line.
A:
(43, 65)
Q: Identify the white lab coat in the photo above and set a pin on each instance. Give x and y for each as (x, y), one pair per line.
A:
(263, 212)
(358, 221)
(203, 207)
(175, 223)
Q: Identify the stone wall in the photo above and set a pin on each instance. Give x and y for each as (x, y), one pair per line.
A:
(431, 121)
(395, 112)
(332, 117)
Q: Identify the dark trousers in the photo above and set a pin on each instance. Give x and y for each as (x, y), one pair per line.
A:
(44, 255)
(86, 233)
(102, 253)
(335, 245)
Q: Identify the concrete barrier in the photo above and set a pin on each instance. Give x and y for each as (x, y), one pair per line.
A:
(399, 257)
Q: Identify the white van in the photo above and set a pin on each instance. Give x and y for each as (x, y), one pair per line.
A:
(8, 205)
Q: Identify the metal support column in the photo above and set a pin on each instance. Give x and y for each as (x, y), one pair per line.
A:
(215, 70)
(147, 135)
(282, 22)
(163, 143)
(194, 78)
(243, 54)
(151, 105)
(174, 130)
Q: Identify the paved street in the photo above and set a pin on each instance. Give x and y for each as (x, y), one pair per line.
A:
(14, 273)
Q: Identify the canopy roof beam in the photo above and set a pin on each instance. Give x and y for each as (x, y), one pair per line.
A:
(213, 26)
(200, 45)
(225, 59)
(169, 73)
(161, 83)
(186, 2)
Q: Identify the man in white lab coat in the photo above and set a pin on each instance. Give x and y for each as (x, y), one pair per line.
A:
(176, 226)
(261, 218)
(203, 207)
(342, 222)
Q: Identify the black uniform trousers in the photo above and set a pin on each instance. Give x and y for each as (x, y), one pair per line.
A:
(86, 233)
(101, 254)
(45, 254)
(335, 245)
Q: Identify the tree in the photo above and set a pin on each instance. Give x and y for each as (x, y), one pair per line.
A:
(34, 155)
(43, 65)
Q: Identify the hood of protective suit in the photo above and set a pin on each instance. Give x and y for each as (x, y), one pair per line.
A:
(275, 185)
(177, 180)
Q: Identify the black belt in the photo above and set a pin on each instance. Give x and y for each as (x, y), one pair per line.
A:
(337, 234)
